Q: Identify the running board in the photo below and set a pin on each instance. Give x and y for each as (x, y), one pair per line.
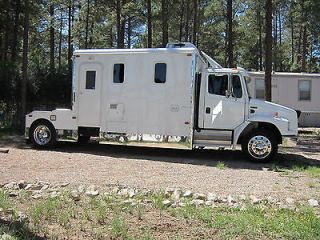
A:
(214, 139)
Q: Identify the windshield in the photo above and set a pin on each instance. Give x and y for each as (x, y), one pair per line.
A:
(247, 80)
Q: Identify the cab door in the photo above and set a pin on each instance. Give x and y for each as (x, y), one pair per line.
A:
(224, 102)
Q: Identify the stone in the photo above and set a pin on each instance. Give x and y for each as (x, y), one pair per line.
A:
(197, 202)
(313, 203)
(11, 185)
(44, 187)
(81, 188)
(242, 197)
(176, 195)
(254, 199)
(28, 186)
(181, 204)
(168, 192)
(166, 203)
(75, 195)
(187, 194)
(64, 184)
(92, 191)
(54, 194)
(131, 192)
(271, 200)
(199, 196)
(13, 193)
(36, 196)
(22, 218)
(123, 192)
(212, 197)
(290, 201)
(22, 184)
(209, 203)
(231, 200)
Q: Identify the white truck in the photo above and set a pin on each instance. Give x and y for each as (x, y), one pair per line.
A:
(173, 97)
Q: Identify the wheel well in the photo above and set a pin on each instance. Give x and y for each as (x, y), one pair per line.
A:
(261, 125)
(39, 121)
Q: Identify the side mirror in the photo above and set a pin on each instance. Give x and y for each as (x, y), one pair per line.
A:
(228, 93)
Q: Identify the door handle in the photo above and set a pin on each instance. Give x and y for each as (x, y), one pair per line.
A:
(208, 110)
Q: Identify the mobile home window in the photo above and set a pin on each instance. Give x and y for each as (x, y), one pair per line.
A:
(260, 88)
(304, 90)
(118, 73)
(218, 84)
(236, 86)
(160, 74)
(90, 79)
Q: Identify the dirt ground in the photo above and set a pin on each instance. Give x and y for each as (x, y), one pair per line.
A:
(160, 168)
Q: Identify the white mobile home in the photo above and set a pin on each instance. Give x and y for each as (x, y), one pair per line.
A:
(172, 97)
(298, 91)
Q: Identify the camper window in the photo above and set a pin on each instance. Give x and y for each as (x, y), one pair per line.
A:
(218, 85)
(160, 73)
(118, 73)
(304, 90)
(90, 79)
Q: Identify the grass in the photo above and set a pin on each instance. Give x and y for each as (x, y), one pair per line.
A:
(221, 165)
(106, 217)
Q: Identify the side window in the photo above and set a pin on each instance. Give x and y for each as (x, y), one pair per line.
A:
(304, 90)
(90, 79)
(118, 73)
(260, 88)
(218, 84)
(236, 86)
(160, 73)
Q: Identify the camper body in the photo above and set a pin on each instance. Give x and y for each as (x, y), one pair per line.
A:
(171, 97)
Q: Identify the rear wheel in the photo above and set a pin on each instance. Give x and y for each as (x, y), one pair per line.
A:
(42, 134)
(260, 145)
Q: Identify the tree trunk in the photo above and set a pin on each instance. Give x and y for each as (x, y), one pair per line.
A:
(195, 22)
(123, 26)
(164, 14)
(87, 24)
(52, 65)
(70, 50)
(24, 65)
(60, 41)
(230, 34)
(268, 49)
(260, 36)
(304, 49)
(181, 20)
(149, 9)
(275, 42)
(118, 13)
(292, 40)
(280, 41)
(129, 31)
(15, 32)
(186, 37)
(7, 33)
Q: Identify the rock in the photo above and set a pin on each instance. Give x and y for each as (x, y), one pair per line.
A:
(123, 192)
(75, 195)
(13, 193)
(132, 192)
(28, 186)
(34, 187)
(199, 196)
(44, 187)
(22, 184)
(242, 197)
(115, 190)
(313, 203)
(197, 202)
(187, 194)
(6, 236)
(231, 200)
(11, 185)
(271, 200)
(36, 196)
(81, 188)
(254, 199)
(166, 203)
(290, 201)
(181, 204)
(212, 197)
(92, 191)
(64, 184)
(22, 218)
(176, 195)
(54, 194)
(209, 203)
(168, 192)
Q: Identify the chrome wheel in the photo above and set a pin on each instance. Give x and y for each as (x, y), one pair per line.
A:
(42, 135)
(259, 147)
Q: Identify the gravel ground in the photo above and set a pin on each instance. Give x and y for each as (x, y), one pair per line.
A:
(160, 168)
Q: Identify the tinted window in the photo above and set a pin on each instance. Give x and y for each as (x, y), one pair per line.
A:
(260, 88)
(90, 79)
(218, 84)
(160, 74)
(304, 90)
(236, 86)
(118, 73)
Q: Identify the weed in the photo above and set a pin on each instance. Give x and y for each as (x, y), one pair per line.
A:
(119, 227)
(140, 211)
(157, 200)
(45, 210)
(313, 172)
(4, 200)
(221, 165)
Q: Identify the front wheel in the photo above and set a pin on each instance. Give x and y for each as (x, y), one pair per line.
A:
(42, 134)
(260, 146)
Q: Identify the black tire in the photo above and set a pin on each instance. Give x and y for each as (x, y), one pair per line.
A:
(83, 139)
(42, 134)
(268, 146)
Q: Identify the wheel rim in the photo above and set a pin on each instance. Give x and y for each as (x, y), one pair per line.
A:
(259, 147)
(42, 135)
